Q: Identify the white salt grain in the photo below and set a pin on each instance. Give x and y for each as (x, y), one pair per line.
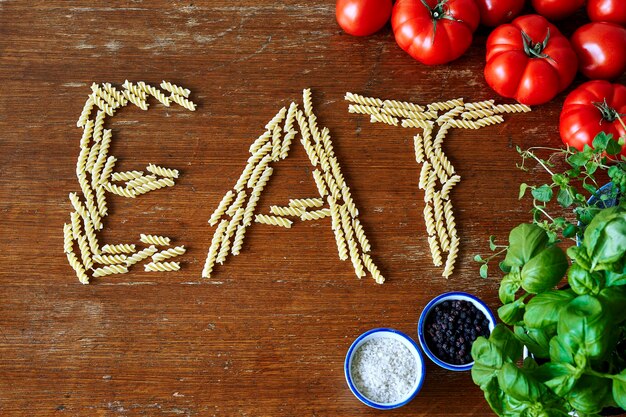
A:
(384, 370)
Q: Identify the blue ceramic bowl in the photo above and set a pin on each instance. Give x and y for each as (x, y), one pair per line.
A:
(408, 343)
(450, 296)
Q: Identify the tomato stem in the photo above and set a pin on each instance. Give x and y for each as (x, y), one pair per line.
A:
(535, 50)
(440, 11)
(608, 113)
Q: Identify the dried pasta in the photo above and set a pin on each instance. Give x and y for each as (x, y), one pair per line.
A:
(103, 105)
(257, 171)
(121, 191)
(153, 185)
(359, 99)
(120, 248)
(286, 211)
(214, 248)
(306, 202)
(182, 101)
(403, 105)
(126, 175)
(163, 172)
(449, 115)
(511, 108)
(154, 240)
(291, 114)
(273, 220)
(306, 102)
(477, 114)
(360, 235)
(173, 88)
(277, 119)
(110, 270)
(68, 238)
(162, 266)
(169, 253)
(487, 104)
(449, 217)
(435, 250)
(320, 183)
(154, 92)
(85, 113)
(363, 109)
(418, 144)
(107, 169)
(429, 220)
(221, 208)
(95, 88)
(372, 268)
(141, 255)
(452, 255)
(424, 175)
(447, 187)
(78, 268)
(384, 118)
(315, 215)
(446, 105)
(241, 197)
(109, 259)
(424, 124)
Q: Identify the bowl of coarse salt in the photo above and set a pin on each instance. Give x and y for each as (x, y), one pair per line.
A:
(384, 368)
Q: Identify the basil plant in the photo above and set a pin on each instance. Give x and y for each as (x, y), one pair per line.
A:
(576, 335)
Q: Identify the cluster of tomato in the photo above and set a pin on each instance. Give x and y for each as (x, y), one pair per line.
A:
(528, 58)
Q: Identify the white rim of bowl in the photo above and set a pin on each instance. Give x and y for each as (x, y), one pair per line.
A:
(454, 295)
(384, 406)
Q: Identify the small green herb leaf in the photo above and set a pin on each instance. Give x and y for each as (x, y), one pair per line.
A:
(619, 389)
(543, 193)
(484, 271)
(522, 190)
(492, 243)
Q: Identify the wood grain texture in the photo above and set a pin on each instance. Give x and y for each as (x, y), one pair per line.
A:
(267, 335)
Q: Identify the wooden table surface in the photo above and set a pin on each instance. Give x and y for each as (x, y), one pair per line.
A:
(267, 334)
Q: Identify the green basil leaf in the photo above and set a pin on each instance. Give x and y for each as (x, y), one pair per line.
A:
(536, 340)
(512, 313)
(561, 350)
(610, 240)
(584, 325)
(544, 270)
(613, 300)
(525, 241)
(544, 309)
(543, 193)
(583, 281)
(492, 243)
(615, 278)
(504, 267)
(619, 389)
(504, 340)
(559, 377)
(519, 384)
(478, 258)
(494, 395)
(509, 285)
(590, 394)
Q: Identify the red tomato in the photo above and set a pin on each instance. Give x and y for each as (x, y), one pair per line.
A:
(590, 109)
(529, 60)
(434, 31)
(557, 9)
(613, 11)
(601, 50)
(362, 17)
(497, 12)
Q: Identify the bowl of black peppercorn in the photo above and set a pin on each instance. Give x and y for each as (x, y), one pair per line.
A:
(448, 326)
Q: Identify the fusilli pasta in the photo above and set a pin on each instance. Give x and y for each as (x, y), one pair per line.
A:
(109, 259)
(120, 248)
(85, 113)
(154, 240)
(163, 172)
(141, 255)
(214, 248)
(184, 102)
(126, 175)
(372, 268)
(110, 270)
(174, 89)
(368, 101)
(286, 211)
(315, 215)
(168, 253)
(162, 266)
(273, 220)
(221, 208)
(384, 118)
(306, 202)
